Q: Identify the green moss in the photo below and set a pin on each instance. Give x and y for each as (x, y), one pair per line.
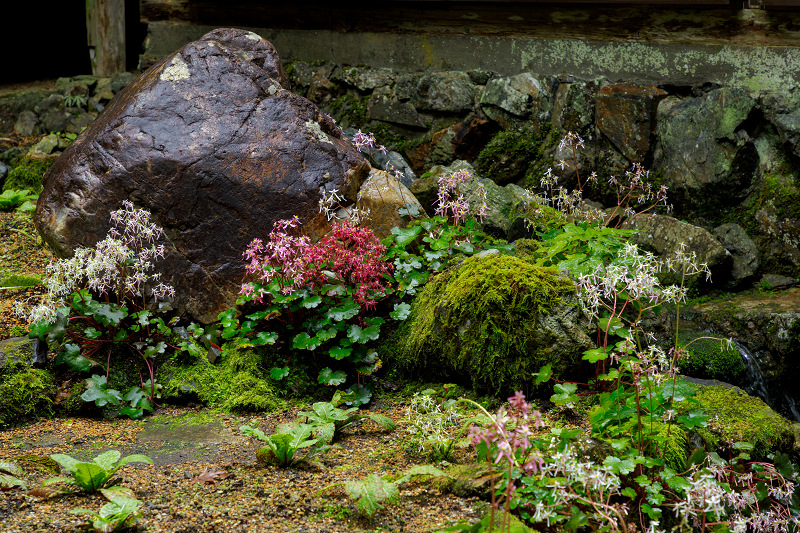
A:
(16, 280)
(25, 393)
(250, 394)
(235, 385)
(512, 153)
(479, 323)
(73, 404)
(738, 417)
(28, 174)
(672, 444)
(711, 359)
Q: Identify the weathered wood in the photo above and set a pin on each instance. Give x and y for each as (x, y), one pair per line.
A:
(105, 28)
(538, 20)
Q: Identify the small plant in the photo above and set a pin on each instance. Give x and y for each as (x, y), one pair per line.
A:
(76, 100)
(16, 199)
(95, 475)
(120, 513)
(315, 297)
(438, 427)
(327, 419)
(108, 298)
(283, 445)
(374, 492)
(11, 475)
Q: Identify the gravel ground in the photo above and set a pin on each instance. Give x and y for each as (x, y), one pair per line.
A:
(252, 498)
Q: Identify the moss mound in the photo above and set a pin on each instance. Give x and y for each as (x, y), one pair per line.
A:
(28, 174)
(479, 323)
(738, 417)
(236, 385)
(711, 359)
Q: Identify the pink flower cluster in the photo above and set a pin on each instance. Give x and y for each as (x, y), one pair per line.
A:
(352, 253)
(511, 432)
(450, 203)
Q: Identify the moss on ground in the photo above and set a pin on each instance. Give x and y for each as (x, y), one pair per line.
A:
(479, 323)
(738, 417)
(28, 174)
(672, 445)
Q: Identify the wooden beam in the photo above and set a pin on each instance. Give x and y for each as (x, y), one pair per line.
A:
(105, 26)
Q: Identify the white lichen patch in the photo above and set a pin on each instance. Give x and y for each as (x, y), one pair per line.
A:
(175, 70)
(253, 36)
(314, 128)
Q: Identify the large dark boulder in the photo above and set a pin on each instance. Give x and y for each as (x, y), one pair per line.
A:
(212, 143)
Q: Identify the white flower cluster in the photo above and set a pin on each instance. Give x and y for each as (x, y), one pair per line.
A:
(571, 480)
(430, 420)
(330, 203)
(119, 265)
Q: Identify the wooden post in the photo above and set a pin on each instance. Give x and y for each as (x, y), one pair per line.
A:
(105, 28)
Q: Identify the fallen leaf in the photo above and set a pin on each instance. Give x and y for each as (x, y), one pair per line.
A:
(210, 476)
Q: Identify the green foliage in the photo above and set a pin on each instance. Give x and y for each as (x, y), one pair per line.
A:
(120, 513)
(371, 494)
(579, 248)
(14, 198)
(428, 246)
(95, 475)
(327, 419)
(479, 323)
(11, 476)
(28, 174)
(283, 445)
(131, 404)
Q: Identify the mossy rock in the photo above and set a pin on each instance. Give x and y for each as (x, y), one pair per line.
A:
(17, 280)
(492, 322)
(511, 154)
(28, 174)
(711, 359)
(738, 417)
(250, 394)
(25, 392)
(235, 385)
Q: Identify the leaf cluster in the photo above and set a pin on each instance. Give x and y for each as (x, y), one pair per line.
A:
(96, 474)
(21, 199)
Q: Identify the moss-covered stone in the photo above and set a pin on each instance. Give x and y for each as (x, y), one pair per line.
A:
(25, 393)
(711, 359)
(672, 444)
(28, 174)
(237, 384)
(491, 322)
(738, 417)
(511, 154)
(250, 394)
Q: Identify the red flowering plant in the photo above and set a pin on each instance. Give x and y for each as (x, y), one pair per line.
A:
(315, 297)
